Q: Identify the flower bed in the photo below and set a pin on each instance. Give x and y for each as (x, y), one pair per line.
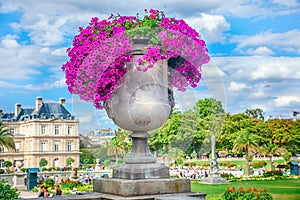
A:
(249, 194)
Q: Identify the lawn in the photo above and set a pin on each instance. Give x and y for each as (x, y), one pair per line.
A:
(280, 189)
(237, 162)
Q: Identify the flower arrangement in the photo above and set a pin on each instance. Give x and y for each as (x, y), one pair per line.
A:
(100, 51)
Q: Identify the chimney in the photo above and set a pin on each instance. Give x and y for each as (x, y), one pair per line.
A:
(38, 103)
(62, 101)
(1, 113)
(17, 109)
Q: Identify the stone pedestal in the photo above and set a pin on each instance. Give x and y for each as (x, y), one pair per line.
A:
(214, 179)
(141, 171)
(18, 181)
(214, 175)
(127, 188)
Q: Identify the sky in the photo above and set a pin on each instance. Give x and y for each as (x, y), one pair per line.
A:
(254, 47)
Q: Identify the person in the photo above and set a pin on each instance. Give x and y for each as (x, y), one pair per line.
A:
(41, 192)
(46, 192)
(58, 191)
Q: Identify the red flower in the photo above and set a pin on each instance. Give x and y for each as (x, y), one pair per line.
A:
(152, 16)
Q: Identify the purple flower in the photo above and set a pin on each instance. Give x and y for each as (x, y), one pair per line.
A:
(100, 52)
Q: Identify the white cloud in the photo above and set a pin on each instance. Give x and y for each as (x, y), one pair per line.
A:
(286, 100)
(288, 3)
(234, 86)
(260, 51)
(270, 40)
(211, 27)
(9, 42)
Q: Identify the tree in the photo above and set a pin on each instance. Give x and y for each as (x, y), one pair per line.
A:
(229, 131)
(162, 137)
(176, 154)
(6, 138)
(69, 161)
(255, 113)
(8, 192)
(244, 142)
(270, 150)
(116, 148)
(294, 145)
(207, 107)
(43, 162)
(280, 131)
(185, 138)
(86, 156)
(7, 164)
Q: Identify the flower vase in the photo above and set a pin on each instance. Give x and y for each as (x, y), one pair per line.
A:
(140, 104)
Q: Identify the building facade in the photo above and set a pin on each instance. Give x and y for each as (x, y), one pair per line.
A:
(47, 131)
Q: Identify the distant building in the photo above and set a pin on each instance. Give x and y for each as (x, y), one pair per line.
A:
(46, 131)
(97, 137)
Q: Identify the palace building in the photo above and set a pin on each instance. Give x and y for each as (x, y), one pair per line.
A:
(46, 131)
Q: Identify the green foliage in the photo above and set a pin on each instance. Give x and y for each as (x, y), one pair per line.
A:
(7, 163)
(249, 194)
(227, 176)
(286, 156)
(70, 184)
(7, 192)
(49, 182)
(273, 173)
(255, 113)
(69, 161)
(2, 171)
(86, 156)
(258, 164)
(43, 162)
(6, 138)
(208, 106)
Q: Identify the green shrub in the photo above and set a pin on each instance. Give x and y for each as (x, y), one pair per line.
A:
(249, 194)
(272, 173)
(227, 176)
(259, 164)
(49, 182)
(7, 192)
(2, 171)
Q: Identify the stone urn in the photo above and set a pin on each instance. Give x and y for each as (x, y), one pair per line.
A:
(141, 103)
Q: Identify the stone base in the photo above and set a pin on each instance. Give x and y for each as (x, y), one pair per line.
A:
(127, 188)
(214, 179)
(101, 196)
(141, 171)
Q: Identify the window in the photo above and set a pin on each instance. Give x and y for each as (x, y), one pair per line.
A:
(56, 162)
(12, 130)
(43, 146)
(2, 150)
(69, 130)
(43, 130)
(69, 146)
(1, 163)
(56, 144)
(17, 147)
(56, 130)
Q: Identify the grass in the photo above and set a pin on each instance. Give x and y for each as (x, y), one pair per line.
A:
(280, 189)
(237, 162)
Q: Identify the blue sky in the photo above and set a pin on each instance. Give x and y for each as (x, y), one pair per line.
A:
(254, 47)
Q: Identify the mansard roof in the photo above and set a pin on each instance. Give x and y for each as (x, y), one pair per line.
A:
(48, 110)
(53, 110)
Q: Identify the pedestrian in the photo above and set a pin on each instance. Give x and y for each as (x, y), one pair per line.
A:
(26, 182)
(58, 191)
(41, 192)
(46, 192)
